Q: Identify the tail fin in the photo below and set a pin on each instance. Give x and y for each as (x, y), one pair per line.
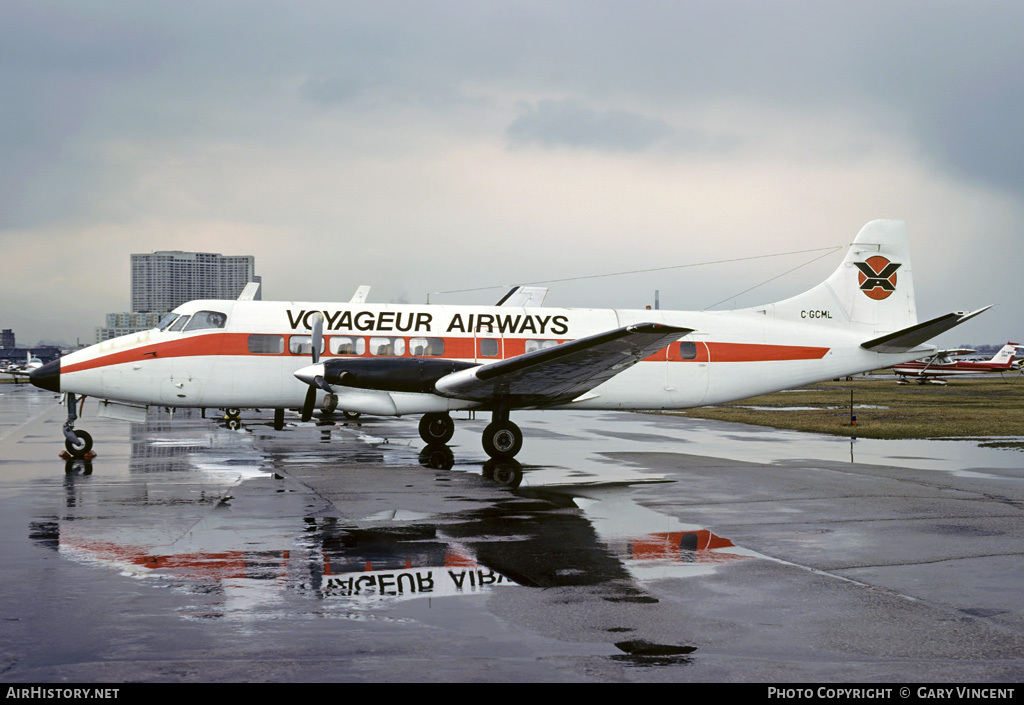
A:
(1005, 357)
(871, 292)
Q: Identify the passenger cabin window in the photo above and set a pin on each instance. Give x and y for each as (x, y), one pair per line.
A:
(488, 347)
(387, 346)
(688, 350)
(180, 323)
(344, 345)
(166, 321)
(426, 347)
(532, 345)
(266, 344)
(206, 319)
(302, 345)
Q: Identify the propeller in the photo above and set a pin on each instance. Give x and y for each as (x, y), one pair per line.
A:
(315, 380)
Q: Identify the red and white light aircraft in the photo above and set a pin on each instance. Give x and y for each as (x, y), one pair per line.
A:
(941, 364)
(391, 359)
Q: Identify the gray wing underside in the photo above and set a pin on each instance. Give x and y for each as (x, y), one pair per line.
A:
(562, 373)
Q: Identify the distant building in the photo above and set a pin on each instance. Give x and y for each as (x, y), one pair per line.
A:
(45, 353)
(162, 281)
(125, 323)
(7, 338)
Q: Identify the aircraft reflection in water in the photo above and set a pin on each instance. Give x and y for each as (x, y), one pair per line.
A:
(199, 533)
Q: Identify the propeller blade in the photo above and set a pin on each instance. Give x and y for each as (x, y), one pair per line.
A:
(318, 336)
(307, 407)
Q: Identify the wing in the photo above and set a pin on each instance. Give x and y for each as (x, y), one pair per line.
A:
(559, 374)
(524, 296)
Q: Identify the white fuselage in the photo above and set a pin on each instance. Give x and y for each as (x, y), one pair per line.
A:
(250, 360)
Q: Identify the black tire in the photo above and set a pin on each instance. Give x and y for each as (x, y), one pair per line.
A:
(502, 440)
(233, 413)
(78, 450)
(436, 429)
(351, 415)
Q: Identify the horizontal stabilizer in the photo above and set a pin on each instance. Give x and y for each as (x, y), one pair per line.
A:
(909, 338)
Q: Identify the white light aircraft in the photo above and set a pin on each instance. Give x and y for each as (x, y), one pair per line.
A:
(942, 364)
(430, 360)
(31, 363)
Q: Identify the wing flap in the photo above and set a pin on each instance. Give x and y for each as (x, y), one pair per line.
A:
(907, 339)
(560, 374)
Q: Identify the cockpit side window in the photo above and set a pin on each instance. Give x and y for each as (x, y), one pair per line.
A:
(207, 319)
(166, 321)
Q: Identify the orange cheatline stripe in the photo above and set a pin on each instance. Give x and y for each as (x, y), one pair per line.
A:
(455, 348)
(753, 352)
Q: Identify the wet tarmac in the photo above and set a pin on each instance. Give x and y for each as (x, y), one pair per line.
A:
(621, 547)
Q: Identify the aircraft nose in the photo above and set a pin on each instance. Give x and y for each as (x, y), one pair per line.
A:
(47, 376)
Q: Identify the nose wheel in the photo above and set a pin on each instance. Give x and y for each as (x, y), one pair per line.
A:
(77, 443)
(81, 445)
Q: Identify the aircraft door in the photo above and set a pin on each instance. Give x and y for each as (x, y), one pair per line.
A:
(687, 370)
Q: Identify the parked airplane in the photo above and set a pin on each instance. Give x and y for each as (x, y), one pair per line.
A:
(31, 363)
(394, 360)
(941, 364)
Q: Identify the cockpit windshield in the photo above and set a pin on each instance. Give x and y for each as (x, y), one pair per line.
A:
(180, 323)
(166, 321)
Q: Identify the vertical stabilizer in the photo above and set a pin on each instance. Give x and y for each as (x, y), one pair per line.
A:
(871, 292)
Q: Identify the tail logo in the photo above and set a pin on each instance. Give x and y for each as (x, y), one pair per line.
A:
(877, 277)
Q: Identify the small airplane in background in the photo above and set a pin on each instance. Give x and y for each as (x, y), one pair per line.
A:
(940, 364)
(31, 363)
(430, 360)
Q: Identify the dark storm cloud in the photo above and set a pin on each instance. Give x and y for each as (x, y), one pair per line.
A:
(55, 68)
(947, 74)
(573, 124)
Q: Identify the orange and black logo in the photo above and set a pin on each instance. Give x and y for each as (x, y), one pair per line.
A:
(877, 277)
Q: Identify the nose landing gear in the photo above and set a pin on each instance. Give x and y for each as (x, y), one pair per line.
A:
(78, 443)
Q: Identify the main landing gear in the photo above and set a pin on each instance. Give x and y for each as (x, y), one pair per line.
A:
(78, 443)
(501, 439)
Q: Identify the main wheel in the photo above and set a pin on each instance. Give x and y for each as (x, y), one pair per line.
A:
(436, 429)
(84, 445)
(502, 439)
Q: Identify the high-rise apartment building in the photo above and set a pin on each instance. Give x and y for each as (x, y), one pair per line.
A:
(162, 281)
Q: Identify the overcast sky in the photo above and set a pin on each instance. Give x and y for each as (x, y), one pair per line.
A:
(423, 147)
